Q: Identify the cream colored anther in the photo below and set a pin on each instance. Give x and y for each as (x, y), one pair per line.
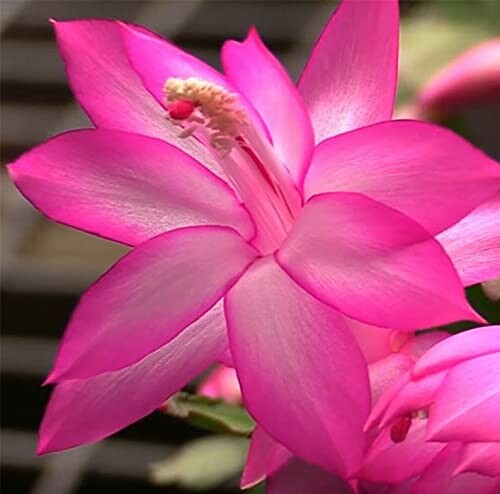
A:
(217, 110)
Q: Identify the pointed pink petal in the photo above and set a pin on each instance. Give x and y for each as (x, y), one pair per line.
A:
(365, 259)
(473, 244)
(298, 477)
(439, 476)
(466, 406)
(473, 77)
(386, 461)
(414, 396)
(265, 457)
(458, 348)
(350, 78)
(385, 401)
(109, 89)
(221, 383)
(264, 81)
(385, 372)
(123, 186)
(405, 165)
(82, 411)
(155, 59)
(483, 458)
(295, 355)
(148, 297)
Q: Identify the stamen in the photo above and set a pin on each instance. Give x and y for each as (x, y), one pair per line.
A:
(193, 102)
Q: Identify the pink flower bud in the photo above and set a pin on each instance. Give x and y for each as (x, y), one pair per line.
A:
(222, 383)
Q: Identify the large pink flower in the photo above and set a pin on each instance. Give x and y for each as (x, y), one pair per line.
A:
(252, 207)
(438, 429)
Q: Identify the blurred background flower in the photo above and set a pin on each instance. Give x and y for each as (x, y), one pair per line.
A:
(45, 267)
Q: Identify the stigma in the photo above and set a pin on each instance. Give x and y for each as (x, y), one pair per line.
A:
(198, 105)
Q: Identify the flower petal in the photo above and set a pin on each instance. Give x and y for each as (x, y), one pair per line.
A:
(467, 404)
(109, 89)
(473, 77)
(148, 297)
(376, 343)
(421, 343)
(427, 172)
(386, 461)
(299, 477)
(295, 355)
(473, 243)
(265, 457)
(221, 383)
(385, 372)
(155, 59)
(87, 410)
(123, 186)
(264, 81)
(350, 78)
(483, 458)
(439, 476)
(458, 348)
(414, 396)
(366, 259)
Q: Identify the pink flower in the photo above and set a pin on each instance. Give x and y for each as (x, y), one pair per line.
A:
(255, 210)
(447, 401)
(222, 383)
(438, 432)
(452, 384)
(473, 77)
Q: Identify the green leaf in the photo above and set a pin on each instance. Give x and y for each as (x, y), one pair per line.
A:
(207, 413)
(203, 464)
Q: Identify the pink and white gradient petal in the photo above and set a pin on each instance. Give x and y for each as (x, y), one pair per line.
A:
(350, 78)
(458, 348)
(265, 457)
(87, 410)
(467, 404)
(124, 187)
(296, 355)
(254, 70)
(108, 88)
(473, 243)
(364, 259)
(148, 297)
(424, 171)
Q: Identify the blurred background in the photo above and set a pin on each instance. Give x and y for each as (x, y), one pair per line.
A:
(45, 266)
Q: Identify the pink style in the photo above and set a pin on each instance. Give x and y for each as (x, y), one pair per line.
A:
(265, 219)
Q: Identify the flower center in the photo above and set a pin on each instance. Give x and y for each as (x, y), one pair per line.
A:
(216, 117)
